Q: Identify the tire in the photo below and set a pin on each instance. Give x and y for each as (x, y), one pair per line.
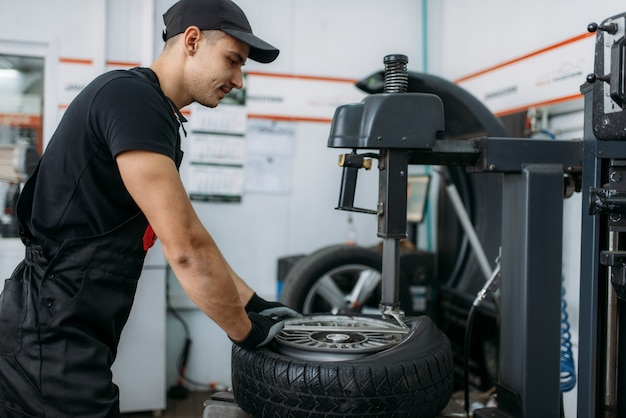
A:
(411, 379)
(342, 264)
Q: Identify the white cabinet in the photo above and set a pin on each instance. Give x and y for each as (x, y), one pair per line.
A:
(139, 369)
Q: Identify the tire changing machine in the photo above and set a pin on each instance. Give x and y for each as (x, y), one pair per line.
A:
(404, 128)
(400, 129)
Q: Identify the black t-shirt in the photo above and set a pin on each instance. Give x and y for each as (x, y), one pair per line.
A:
(79, 190)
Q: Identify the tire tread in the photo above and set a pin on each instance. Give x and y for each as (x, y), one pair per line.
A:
(417, 388)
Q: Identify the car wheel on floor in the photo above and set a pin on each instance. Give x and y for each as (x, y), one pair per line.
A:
(340, 279)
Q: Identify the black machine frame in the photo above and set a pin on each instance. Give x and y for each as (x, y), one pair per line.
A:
(603, 284)
(401, 128)
(533, 190)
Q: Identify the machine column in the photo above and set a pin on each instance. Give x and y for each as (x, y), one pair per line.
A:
(392, 226)
(532, 219)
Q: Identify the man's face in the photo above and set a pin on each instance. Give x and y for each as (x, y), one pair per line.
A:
(216, 69)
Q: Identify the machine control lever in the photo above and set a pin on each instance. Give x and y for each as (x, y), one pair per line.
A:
(617, 261)
(592, 78)
(609, 28)
(611, 198)
(351, 163)
(606, 201)
(616, 78)
(355, 160)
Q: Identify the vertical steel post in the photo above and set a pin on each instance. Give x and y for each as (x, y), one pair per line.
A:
(392, 223)
(590, 267)
(532, 219)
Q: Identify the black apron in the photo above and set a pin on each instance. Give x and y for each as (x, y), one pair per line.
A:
(61, 320)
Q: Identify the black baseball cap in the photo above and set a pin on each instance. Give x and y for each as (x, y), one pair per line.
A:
(221, 15)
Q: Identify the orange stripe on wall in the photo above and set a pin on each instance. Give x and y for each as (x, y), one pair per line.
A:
(88, 61)
(75, 60)
(523, 57)
(123, 64)
(539, 104)
(302, 77)
(289, 118)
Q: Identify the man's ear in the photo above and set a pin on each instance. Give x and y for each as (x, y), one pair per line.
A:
(191, 38)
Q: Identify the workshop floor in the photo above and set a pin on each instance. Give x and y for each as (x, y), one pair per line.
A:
(192, 407)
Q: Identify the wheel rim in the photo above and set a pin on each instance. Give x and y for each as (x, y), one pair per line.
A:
(348, 288)
(337, 337)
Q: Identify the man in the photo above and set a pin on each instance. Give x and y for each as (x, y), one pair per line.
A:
(106, 185)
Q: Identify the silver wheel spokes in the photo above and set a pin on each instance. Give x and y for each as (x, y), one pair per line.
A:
(327, 289)
(337, 337)
(365, 286)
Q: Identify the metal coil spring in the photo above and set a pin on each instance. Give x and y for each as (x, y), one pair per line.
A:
(396, 75)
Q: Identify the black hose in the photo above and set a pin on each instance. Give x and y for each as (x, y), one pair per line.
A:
(179, 391)
(466, 348)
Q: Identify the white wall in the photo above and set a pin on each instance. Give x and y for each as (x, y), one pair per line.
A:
(475, 35)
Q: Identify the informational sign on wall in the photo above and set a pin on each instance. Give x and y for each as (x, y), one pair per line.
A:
(298, 98)
(271, 148)
(548, 76)
(217, 153)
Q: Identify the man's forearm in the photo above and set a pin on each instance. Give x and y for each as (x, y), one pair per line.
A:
(209, 283)
(244, 290)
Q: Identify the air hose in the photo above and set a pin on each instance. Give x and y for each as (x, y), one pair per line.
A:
(179, 391)
(491, 285)
(568, 369)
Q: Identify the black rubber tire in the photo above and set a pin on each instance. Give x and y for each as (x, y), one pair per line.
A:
(412, 379)
(308, 270)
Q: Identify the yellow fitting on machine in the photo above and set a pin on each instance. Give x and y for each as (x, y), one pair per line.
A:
(342, 160)
(366, 163)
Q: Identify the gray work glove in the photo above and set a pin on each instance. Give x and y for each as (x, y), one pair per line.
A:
(261, 306)
(264, 329)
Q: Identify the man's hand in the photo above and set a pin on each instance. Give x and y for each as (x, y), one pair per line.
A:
(264, 329)
(263, 307)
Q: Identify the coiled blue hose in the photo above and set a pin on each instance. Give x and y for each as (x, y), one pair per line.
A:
(568, 369)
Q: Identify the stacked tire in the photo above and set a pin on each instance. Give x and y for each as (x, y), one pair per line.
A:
(411, 379)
